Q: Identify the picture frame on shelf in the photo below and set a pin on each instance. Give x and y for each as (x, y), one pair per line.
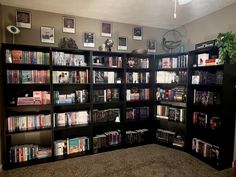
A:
(89, 39)
(69, 25)
(122, 43)
(106, 29)
(137, 33)
(47, 34)
(152, 45)
(23, 19)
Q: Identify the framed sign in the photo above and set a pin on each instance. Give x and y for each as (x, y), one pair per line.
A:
(137, 33)
(47, 34)
(89, 39)
(23, 19)
(106, 29)
(68, 25)
(151, 45)
(122, 43)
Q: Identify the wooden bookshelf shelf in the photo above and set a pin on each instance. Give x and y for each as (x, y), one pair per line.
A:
(71, 127)
(28, 131)
(171, 69)
(61, 67)
(27, 66)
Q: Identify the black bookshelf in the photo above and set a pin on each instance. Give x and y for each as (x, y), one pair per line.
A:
(167, 64)
(143, 130)
(214, 130)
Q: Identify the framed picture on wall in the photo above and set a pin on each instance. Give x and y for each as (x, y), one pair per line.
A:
(106, 29)
(137, 33)
(122, 43)
(47, 34)
(89, 39)
(68, 25)
(23, 19)
(151, 45)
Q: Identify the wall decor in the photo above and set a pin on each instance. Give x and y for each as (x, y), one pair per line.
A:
(151, 45)
(106, 29)
(89, 39)
(23, 19)
(68, 25)
(122, 43)
(47, 34)
(137, 33)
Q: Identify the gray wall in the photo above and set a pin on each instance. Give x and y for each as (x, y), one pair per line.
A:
(208, 27)
(40, 18)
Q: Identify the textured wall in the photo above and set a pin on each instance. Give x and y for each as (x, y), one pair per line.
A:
(208, 27)
(40, 18)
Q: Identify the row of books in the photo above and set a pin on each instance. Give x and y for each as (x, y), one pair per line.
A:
(136, 94)
(206, 97)
(136, 136)
(106, 77)
(71, 146)
(137, 113)
(170, 137)
(206, 149)
(137, 77)
(173, 94)
(38, 98)
(71, 77)
(170, 113)
(174, 62)
(28, 76)
(28, 122)
(107, 115)
(205, 121)
(106, 95)
(107, 139)
(168, 77)
(111, 61)
(79, 96)
(23, 153)
(70, 118)
(26, 57)
(66, 59)
(205, 59)
(207, 78)
(133, 62)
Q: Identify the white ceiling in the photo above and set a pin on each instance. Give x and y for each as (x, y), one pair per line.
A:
(154, 13)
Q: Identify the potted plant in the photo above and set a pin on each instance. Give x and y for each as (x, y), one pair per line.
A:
(226, 42)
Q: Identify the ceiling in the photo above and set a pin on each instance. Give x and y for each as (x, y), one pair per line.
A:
(153, 13)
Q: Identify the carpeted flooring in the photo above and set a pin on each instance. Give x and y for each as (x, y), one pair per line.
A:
(143, 161)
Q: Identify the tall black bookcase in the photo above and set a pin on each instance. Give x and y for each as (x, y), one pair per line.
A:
(170, 100)
(211, 114)
(103, 121)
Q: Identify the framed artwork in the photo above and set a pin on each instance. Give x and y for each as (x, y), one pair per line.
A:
(137, 33)
(23, 19)
(122, 43)
(106, 29)
(47, 34)
(151, 45)
(68, 25)
(89, 39)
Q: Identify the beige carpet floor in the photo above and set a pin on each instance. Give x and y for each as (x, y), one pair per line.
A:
(143, 161)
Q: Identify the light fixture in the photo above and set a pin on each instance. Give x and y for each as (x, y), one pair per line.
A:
(180, 2)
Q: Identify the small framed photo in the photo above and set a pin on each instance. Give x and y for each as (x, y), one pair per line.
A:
(137, 33)
(89, 39)
(106, 29)
(23, 19)
(47, 34)
(122, 43)
(68, 25)
(152, 45)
